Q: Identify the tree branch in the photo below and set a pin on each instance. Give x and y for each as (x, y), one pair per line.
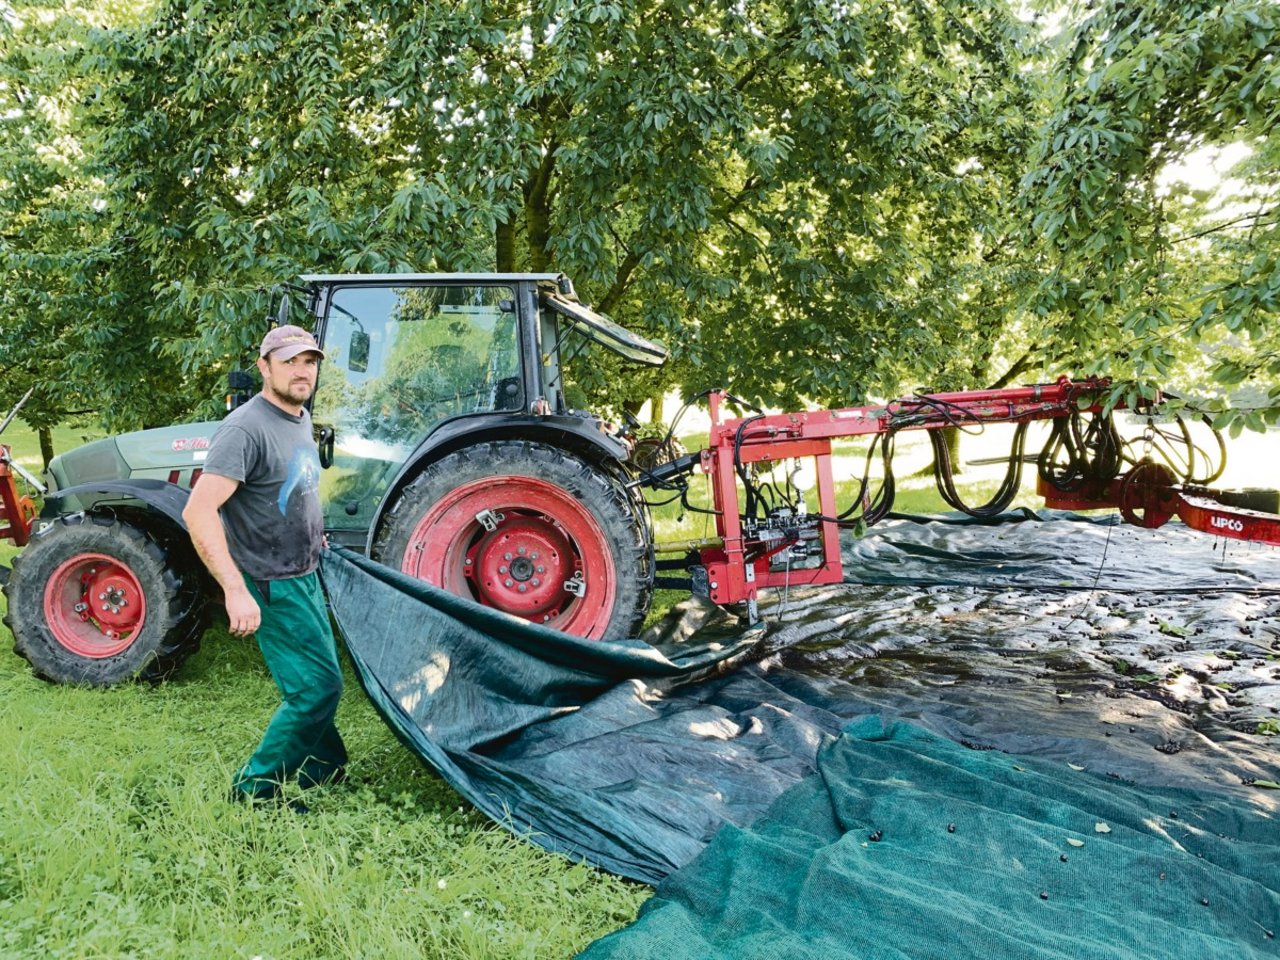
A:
(1021, 365)
(1252, 219)
(621, 281)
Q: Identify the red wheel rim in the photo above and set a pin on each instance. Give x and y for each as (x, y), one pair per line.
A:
(520, 545)
(94, 606)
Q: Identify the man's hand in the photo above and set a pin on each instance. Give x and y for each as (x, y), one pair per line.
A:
(243, 614)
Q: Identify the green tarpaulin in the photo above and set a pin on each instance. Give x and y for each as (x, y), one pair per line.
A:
(587, 748)
(1043, 699)
(907, 846)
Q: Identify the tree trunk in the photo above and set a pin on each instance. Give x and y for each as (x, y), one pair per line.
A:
(504, 237)
(538, 198)
(539, 216)
(952, 437)
(655, 408)
(46, 444)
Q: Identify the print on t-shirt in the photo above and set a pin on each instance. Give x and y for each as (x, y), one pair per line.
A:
(304, 476)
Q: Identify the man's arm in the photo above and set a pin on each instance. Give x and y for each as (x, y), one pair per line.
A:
(210, 540)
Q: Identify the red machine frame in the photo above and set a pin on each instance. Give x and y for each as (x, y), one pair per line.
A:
(738, 564)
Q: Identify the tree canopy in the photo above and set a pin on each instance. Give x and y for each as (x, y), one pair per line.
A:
(813, 202)
(1154, 277)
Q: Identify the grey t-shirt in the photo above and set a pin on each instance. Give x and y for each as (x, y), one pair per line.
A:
(273, 521)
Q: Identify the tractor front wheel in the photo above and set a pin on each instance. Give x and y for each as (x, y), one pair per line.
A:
(528, 529)
(95, 600)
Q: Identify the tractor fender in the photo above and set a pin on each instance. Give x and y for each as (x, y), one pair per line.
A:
(167, 499)
(582, 436)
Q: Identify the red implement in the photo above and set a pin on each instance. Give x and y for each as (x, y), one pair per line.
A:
(775, 541)
(17, 512)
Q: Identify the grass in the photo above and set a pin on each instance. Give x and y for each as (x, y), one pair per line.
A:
(117, 840)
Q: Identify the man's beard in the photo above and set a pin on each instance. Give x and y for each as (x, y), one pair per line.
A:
(285, 396)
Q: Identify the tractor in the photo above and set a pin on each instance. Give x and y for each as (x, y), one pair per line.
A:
(450, 453)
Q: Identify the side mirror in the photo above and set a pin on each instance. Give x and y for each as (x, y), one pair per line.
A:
(358, 352)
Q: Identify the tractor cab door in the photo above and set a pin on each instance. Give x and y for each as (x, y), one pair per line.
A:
(598, 328)
(572, 326)
(401, 358)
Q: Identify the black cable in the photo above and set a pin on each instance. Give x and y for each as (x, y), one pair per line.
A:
(1215, 471)
(1008, 489)
(1184, 464)
(1094, 453)
(879, 506)
(671, 430)
(749, 508)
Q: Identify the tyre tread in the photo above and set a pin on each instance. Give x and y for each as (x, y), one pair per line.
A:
(605, 498)
(169, 636)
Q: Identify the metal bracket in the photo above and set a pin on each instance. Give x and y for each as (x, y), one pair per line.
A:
(489, 519)
(577, 586)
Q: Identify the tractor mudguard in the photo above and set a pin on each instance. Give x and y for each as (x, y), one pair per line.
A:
(579, 435)
(166, 498)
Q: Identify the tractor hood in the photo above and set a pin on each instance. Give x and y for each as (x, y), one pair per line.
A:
(166, 453)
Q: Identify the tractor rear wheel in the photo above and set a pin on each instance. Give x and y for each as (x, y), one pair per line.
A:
(529, 529)
(95, 600)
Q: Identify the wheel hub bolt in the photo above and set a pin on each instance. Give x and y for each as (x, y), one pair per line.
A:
(523, 587)
(507, 582)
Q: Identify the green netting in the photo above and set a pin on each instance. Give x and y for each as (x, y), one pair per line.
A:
(907, 845)
(1038, 708)
(579, 745)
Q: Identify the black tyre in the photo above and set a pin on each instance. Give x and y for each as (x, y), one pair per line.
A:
(95, 600)
(529, 529)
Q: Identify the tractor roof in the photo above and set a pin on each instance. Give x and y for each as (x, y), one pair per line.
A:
(428, 277)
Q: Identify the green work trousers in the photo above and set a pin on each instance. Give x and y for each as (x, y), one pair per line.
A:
(297, 643)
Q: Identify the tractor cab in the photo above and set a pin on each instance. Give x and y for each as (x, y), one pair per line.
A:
(417, 363)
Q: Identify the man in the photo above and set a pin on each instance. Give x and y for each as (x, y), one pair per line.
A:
(255, 519)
